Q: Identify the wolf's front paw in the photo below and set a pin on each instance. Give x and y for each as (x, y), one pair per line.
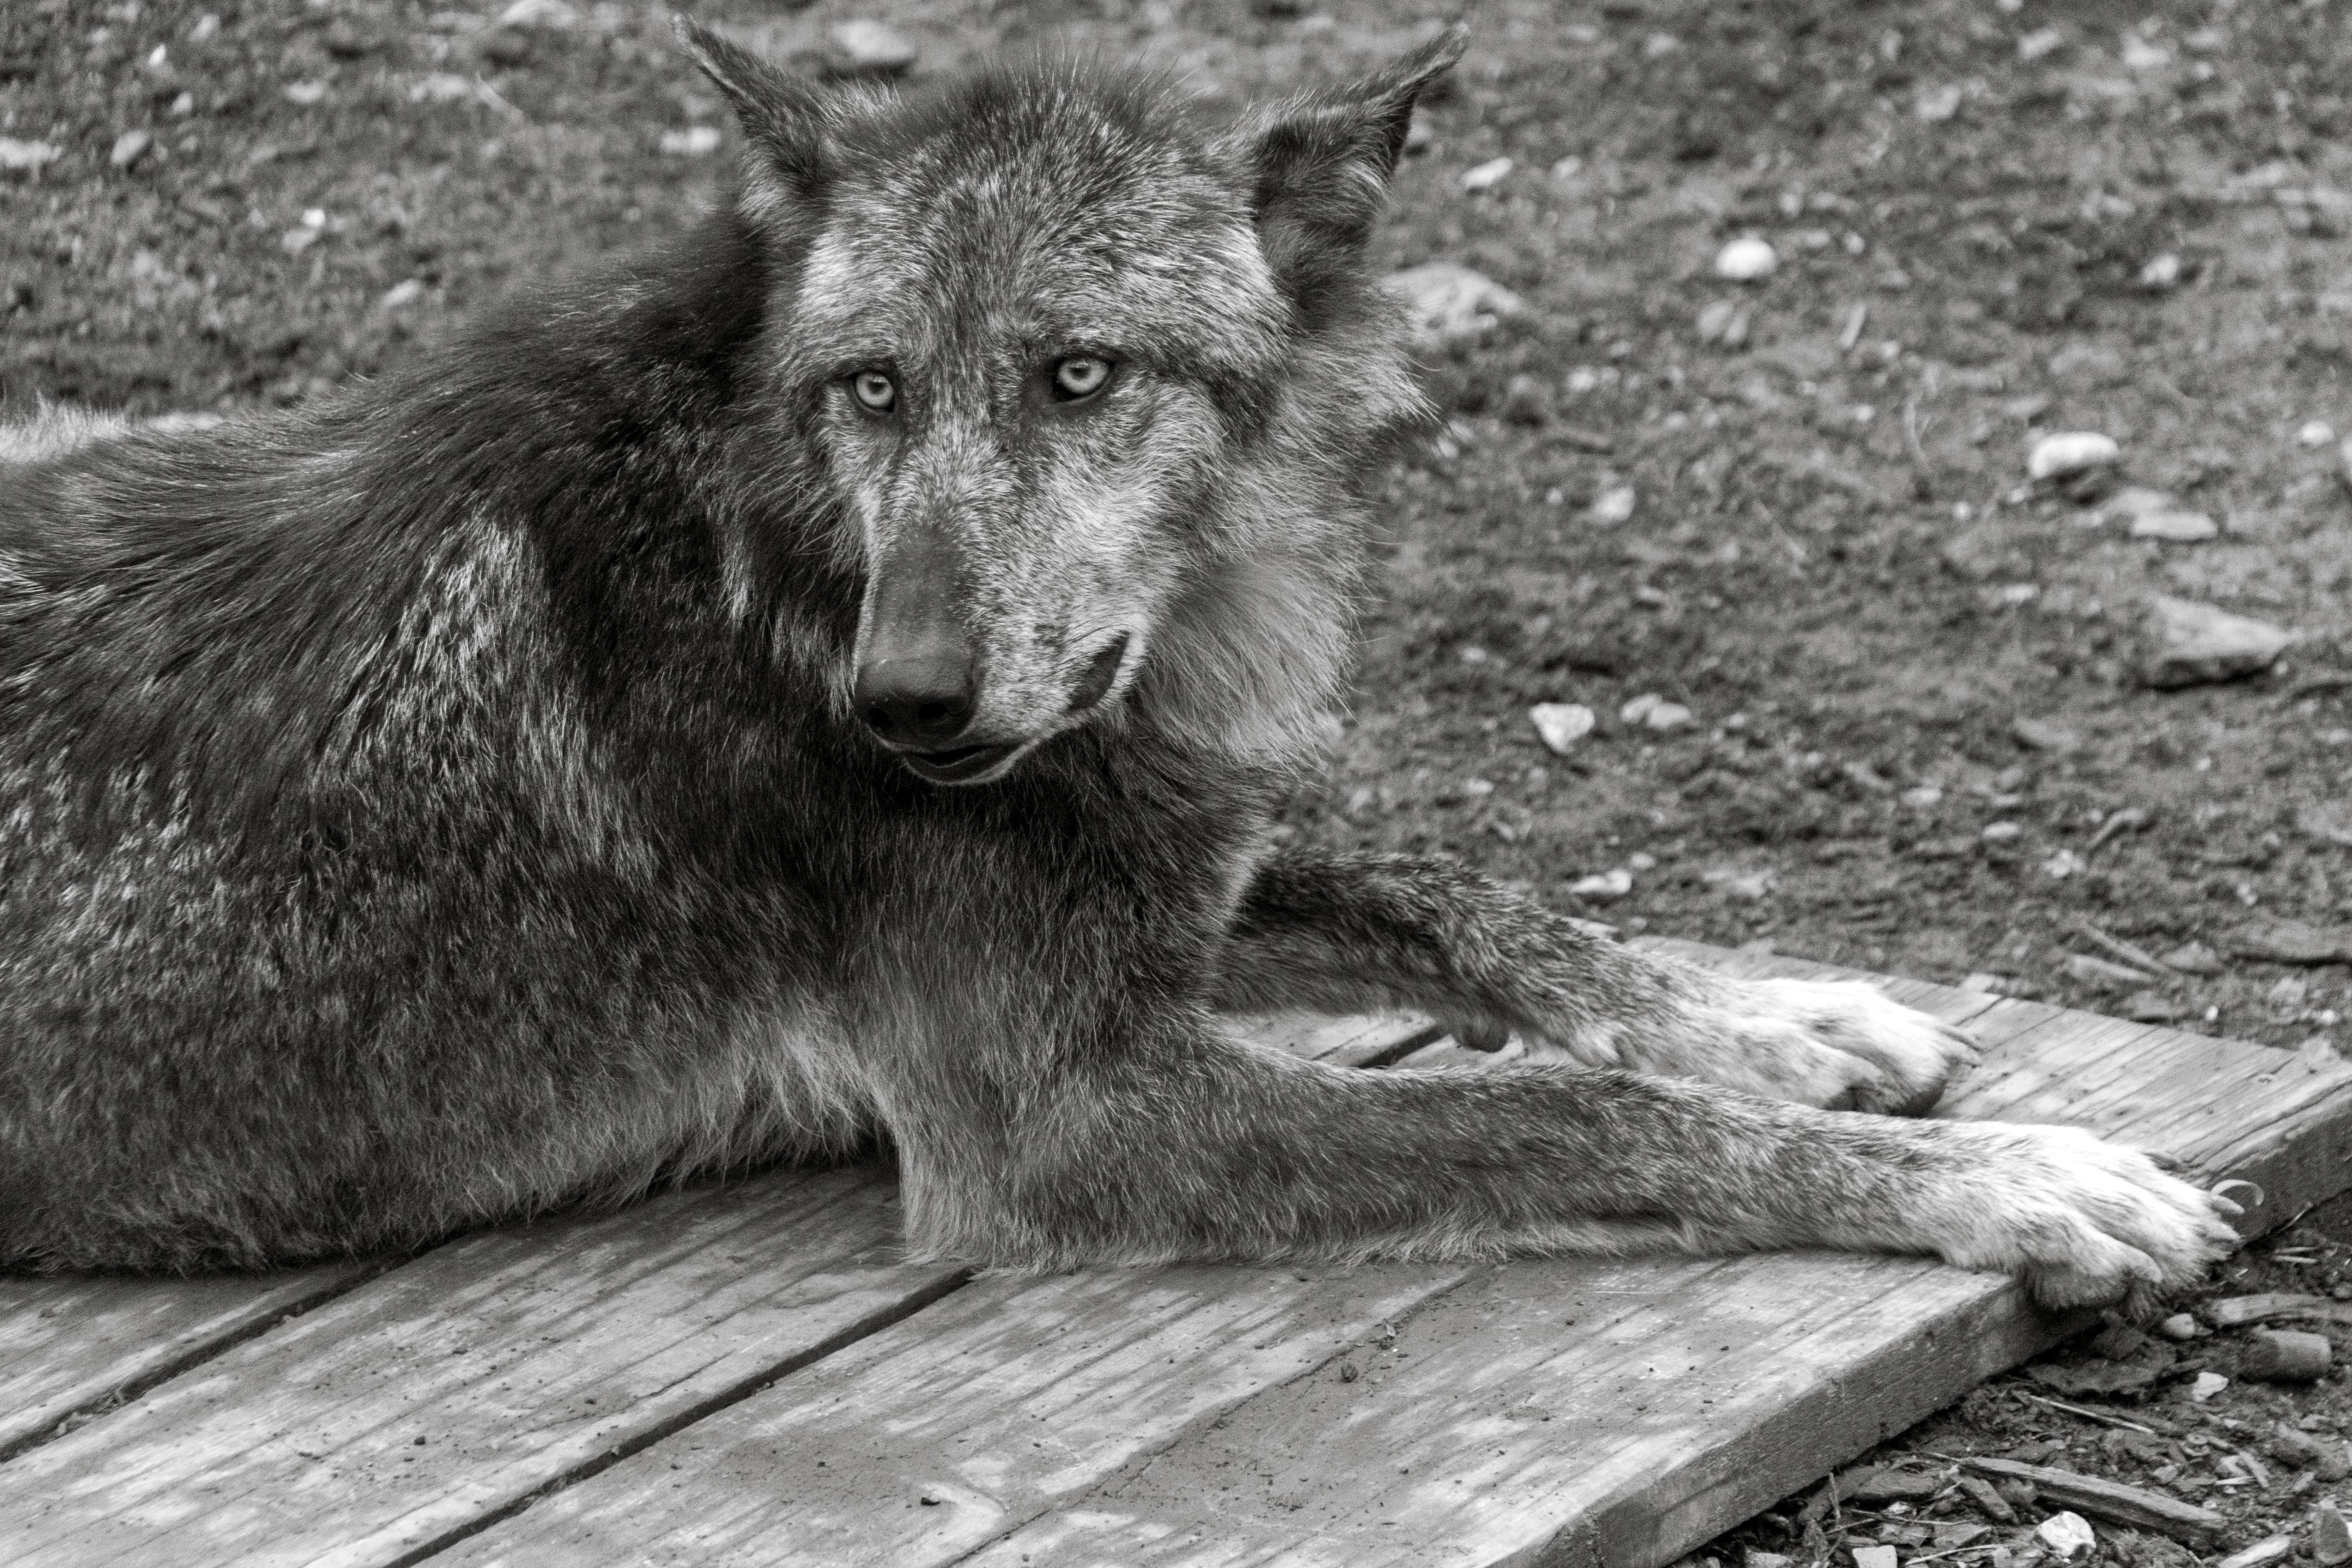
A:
(2085, 1222)
(1837, 1045)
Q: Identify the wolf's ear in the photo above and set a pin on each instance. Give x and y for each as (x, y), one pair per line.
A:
(1321, 164)
(784, 117)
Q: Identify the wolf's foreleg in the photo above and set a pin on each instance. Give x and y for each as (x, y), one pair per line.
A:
(1193, 1147)
(1350, 932)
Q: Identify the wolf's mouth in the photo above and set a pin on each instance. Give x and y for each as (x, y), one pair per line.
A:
(959, 764)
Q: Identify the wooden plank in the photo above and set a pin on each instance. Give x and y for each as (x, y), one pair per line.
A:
(932, 1438)
(74, 1344)
(425, 1401)
(1506, 1434)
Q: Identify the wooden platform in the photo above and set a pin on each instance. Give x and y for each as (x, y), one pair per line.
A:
(747, 1376)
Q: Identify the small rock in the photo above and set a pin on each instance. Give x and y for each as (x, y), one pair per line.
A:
(2296, 1450)
(2260, 1553)
(2181, 1326)
(128, 148)
(305, 94)
(2176, 527)
(405, 292)
(2161, 273)
(1873, 1557)
(2041, 41)
(1562, 724)
(2193, 958)
(2067, 1535)
(1605, 885)
(1724, 324)
(864, 47)
(1747, 259)
(345, 41)
(693, 142)
(1937, 104)
(1451, 305)
(2063, 456)
(1667, 716)
(1756, 1559)
(2189, 643)
(1612, 506)
(1884, 1484)
(1486, 175)
(26, 157)
(2292, 942)
(2044, 736)
(2331, 1541)
(2208, 1385)
(2318, 432)
(2133, 503)
(1637, 710)
(2002, 833)
(2328, 822)
(2152, 1007)
(1984, 983)
(554, 14)
(2286, 1355)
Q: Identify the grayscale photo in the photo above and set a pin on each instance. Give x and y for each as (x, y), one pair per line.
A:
(1134, 784)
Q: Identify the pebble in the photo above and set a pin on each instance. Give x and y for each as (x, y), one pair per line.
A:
(1613, 506)
(1873, 1557)
(2176, 527)
(1937, 104)
(1747, 259)
(2318, 432)
(1487, 175)
(2002, 833)
(2180, 1326)
(305, 94)
(1605, 885)
(2286, 1355)
(26, 157)
(2161, 272)
(693, 142)
(2067, 1535)
(2072, 452)
(2331, 1541)
(1450, 304)
(2193, 958)
(2206, 1385)
(2189, 643)
(405, 292)
(128, 148)
(864, 47)
(2044, 736)
(1562, 724)
(554, 13)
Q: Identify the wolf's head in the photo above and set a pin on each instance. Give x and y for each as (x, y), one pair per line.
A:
(1090, 386)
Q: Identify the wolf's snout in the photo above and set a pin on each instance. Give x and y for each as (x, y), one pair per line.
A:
(920, 697)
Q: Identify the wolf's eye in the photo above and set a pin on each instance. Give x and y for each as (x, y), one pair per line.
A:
(875, 393)
(1079, 377)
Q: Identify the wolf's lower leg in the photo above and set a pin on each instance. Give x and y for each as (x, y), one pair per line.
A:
(1199, 1147)
(1361, 932)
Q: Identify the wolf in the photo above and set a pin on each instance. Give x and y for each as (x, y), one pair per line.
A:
(829, 681)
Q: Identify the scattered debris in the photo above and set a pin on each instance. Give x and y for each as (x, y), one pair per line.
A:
(2063, 456)
(2112, 1500)
(1653, 711)
(2317, 433)
(2179, 1326)
(2120, 950)
(128, 148)
(1603, 885)
(2044, 736)
(1613, 506)
(2194, 958)
(693, 142)
(2189, 643)
(1982, 1493)
(2260, 1553)
(2286, 1355)
(1562, 724)
(2206, 1385)
(1724, 323)
(1873, 1557)
(2290, 942)
(2162, 271)
(2238, 1311)
(1747, 259)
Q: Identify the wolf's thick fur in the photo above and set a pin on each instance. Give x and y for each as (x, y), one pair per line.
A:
(515, 784)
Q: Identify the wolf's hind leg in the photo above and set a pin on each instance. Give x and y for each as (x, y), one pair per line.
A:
(1359, 931)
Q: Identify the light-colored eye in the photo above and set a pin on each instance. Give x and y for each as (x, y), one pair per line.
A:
(875, 392)
(1080, 377)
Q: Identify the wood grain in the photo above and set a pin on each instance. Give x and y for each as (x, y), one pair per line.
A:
(73, 1345)
(1569, 1411)
(425, 1400)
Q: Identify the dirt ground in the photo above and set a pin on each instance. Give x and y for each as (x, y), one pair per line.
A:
(1917, 738)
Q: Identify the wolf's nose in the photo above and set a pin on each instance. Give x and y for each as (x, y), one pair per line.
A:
(919, 699)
